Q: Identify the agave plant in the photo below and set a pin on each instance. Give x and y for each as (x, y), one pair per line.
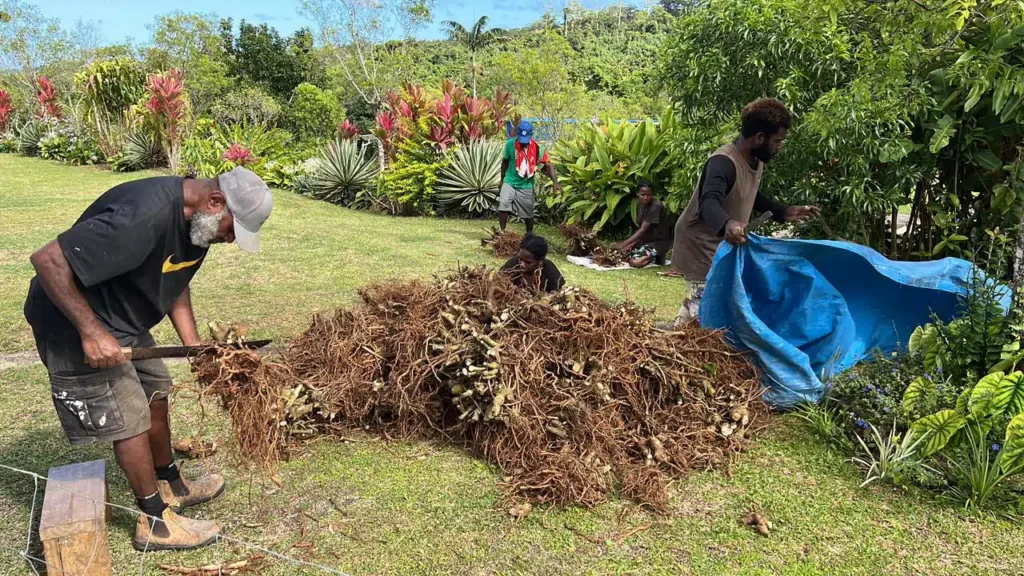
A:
(472, 180)
(29, 136)
(141, 150)
(341, 172)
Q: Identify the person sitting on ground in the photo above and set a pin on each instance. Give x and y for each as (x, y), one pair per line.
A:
(522, 157)
(726, 195)
(532, 269)
(652, 241)
(122, 268)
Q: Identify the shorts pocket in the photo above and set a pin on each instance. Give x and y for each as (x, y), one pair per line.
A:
(86, 404)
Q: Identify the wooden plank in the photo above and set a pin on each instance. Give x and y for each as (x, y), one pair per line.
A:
(74, 500)
(82, 554)
(73, 522)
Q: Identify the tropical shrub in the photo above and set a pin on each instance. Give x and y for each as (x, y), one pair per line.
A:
(49, 104)
(111, 88)
(982, 336)
(250, 106)
(67, 142)
(213, 149)
(472, 179)
(6, 111)
(168, 108)
(408, 183)
(29, 136)
(312, 113)
(343, 170)
(601, 168)
(871, 393)
(8, 143)
(413, 116)
(141, 150)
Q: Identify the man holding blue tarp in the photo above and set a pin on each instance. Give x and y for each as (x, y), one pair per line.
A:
(727, 194)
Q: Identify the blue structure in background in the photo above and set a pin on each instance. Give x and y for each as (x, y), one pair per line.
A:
(810, 309)
(542, 126)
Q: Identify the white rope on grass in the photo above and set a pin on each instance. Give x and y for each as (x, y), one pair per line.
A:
(138, 513)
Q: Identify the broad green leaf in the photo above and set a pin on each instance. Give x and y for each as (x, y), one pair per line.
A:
(974, 96)
(916, 338)
(1001, 92)
(1010, 108)
(962, 401)
(917, 393)
(939, 428)
(1002, 198)
(1008, 363)
(982, 402)
(943, 132)
(1009, 395)
(1011, 454)
(987, 160)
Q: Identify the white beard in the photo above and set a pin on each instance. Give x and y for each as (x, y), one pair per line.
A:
(203, 228)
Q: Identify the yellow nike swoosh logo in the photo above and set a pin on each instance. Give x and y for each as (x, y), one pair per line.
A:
(172, 267)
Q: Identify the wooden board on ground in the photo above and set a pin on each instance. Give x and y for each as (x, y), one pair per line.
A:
(73, 523)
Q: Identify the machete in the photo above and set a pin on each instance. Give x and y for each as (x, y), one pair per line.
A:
(757, 223)
(186, 351)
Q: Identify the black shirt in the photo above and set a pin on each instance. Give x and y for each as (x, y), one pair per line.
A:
(655, 215)
(550, 278)
(716, 180)
(131, 255)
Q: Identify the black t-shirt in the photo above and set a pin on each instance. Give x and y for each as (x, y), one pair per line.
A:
(655, 215)
(132, 258)
(550, 278)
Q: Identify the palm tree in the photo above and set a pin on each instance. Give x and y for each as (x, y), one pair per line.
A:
(474, 40)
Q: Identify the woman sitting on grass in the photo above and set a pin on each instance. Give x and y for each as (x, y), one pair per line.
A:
(651, 242)
(531, 268)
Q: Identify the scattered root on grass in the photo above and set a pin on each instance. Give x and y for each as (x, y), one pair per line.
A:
(571, 397)
(505, 244)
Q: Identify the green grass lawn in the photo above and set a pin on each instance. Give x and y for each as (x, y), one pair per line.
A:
(370, 507)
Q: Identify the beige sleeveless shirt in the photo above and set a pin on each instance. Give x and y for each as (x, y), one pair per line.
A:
(695, 240)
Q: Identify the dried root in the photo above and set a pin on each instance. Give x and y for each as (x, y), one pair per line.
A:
(574, 399)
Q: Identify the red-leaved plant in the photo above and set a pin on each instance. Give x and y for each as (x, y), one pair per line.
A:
(387, 126)
(410, 116)
(47, 96)
(239, 155)
(6, 110)
(168, 107)
(347, 130)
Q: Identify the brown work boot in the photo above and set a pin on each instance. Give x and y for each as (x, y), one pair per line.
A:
(173, 532)
(184, 493)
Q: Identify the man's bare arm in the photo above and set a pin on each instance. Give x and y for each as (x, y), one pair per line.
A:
(549, 169)
(184, 319)
(504, 169)
(58, 280)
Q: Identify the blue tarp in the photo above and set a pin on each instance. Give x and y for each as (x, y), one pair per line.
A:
(809, 309)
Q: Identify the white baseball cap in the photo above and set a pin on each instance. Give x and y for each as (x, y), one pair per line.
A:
(250, 202)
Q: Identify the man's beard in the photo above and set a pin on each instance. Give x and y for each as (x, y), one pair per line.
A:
(763, 152)
(205, 227)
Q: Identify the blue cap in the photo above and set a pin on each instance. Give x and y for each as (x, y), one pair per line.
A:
(525, 132)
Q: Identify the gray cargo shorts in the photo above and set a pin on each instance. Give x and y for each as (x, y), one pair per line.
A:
(105, 404)
(516, 200)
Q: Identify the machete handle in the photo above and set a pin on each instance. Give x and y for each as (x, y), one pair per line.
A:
(127, 353)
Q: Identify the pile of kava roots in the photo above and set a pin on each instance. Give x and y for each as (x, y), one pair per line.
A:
(572, 398)
(582, 241)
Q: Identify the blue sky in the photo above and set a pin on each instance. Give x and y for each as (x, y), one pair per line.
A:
(120, 19)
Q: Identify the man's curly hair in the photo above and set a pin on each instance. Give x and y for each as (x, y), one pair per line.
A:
(766, 115)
